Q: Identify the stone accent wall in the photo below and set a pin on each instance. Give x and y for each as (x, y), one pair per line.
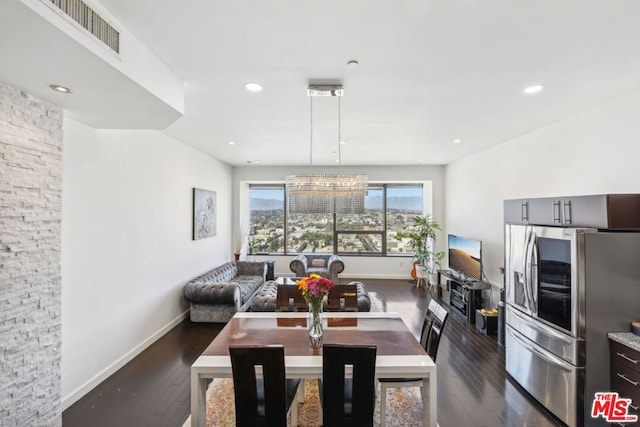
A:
(30, 241)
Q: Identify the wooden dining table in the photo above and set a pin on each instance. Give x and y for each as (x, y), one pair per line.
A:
(399, 354)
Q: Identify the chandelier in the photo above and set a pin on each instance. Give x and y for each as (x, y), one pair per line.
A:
(326, 192)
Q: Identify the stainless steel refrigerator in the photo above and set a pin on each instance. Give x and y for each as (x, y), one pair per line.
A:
(566, 288)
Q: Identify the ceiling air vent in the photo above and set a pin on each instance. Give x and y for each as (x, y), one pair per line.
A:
(88, 19)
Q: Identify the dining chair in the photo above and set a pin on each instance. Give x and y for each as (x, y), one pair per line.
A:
(348, 401)
(432, 327)
(289, 298)
(343, 298)
(262, 401)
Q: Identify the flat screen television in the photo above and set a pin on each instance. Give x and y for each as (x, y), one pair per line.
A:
(465, 257)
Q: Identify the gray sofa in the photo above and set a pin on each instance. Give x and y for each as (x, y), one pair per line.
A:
(218, 294)
(265, 298)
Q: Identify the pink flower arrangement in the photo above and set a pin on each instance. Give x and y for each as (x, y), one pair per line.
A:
(314, 287)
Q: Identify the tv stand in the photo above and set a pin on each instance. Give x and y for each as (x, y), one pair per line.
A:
(465, 295)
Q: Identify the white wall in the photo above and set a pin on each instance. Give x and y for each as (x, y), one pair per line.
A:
(595, 152)
(126, 244)
(356, 266)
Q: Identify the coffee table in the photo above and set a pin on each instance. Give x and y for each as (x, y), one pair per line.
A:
(399, 354)
(286, 280)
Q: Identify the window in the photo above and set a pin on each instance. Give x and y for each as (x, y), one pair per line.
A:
(309, 233)
(403, 203)
(266, 206)
(363, 233)
(388, 210)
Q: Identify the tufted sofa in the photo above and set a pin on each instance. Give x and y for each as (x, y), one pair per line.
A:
(218, 294)
(325, 265)
(265, 298)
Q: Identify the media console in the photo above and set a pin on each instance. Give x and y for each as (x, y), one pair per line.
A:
(465, 295)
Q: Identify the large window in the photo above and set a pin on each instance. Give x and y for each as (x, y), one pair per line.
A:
(388, 210)
(266, 205)
(403, 203)
(363, 233)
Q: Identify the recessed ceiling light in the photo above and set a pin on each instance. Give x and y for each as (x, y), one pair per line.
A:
(252, 162)
(231, 143)
(352, 64)
(253, 87)
(457, 141)
(533, 89)
(343, 142)
(61, 89)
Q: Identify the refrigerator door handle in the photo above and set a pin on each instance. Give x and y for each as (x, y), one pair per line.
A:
(550, 332)
(528, 282)
(534, 274)
(549, 359)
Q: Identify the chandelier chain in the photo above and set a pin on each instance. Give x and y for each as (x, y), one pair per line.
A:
(311, 133)
(339, 132)
(326, 192)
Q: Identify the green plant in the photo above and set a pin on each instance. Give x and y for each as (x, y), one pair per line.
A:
(422, 239)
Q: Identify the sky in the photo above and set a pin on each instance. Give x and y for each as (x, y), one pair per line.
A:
(278, 194)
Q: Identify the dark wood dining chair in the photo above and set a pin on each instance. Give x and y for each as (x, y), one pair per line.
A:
(434, 320)
(289, 298)
(429, 315)
(343, 298)
(262, 401)
(348, 401)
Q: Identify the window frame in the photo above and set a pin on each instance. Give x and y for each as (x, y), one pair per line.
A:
(335, 231)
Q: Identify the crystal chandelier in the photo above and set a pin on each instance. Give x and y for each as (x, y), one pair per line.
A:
(326, 192)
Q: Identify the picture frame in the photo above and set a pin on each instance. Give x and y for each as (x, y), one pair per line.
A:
(204, 213)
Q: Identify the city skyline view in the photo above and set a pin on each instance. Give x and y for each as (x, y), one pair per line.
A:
(354, 233)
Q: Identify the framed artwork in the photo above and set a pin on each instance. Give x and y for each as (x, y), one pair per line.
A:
(204, 213)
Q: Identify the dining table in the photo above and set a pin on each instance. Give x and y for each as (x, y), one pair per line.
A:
(399, 354)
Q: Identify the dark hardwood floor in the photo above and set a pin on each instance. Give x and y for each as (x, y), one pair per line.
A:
(473, 388)
(151, 390)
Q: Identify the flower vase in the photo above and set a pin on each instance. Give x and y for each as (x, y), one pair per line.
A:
(314, 323)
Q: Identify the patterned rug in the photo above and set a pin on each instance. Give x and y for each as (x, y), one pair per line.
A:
(404, 405)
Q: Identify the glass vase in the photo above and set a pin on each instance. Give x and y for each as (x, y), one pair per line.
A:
(314, 323)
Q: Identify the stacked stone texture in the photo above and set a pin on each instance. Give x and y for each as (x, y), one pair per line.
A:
(30, 284)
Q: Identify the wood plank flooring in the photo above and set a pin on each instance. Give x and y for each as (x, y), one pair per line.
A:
(473, 388)
(151, 390)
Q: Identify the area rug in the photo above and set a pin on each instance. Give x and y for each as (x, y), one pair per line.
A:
(404, 405)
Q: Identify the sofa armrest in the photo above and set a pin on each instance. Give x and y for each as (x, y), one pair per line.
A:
(335, 265)
(213, 293)
(299, 265)
(251, 268)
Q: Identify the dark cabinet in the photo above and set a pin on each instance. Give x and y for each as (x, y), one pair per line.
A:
(603, 211)
(625, 374)
(465, 297)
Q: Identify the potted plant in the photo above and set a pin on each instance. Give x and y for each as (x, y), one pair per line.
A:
(421, 240)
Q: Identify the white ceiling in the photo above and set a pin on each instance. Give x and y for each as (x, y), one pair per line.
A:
(429, 72)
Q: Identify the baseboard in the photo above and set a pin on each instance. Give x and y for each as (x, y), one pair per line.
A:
(85, 388)
(363, 276)
(376, 276)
